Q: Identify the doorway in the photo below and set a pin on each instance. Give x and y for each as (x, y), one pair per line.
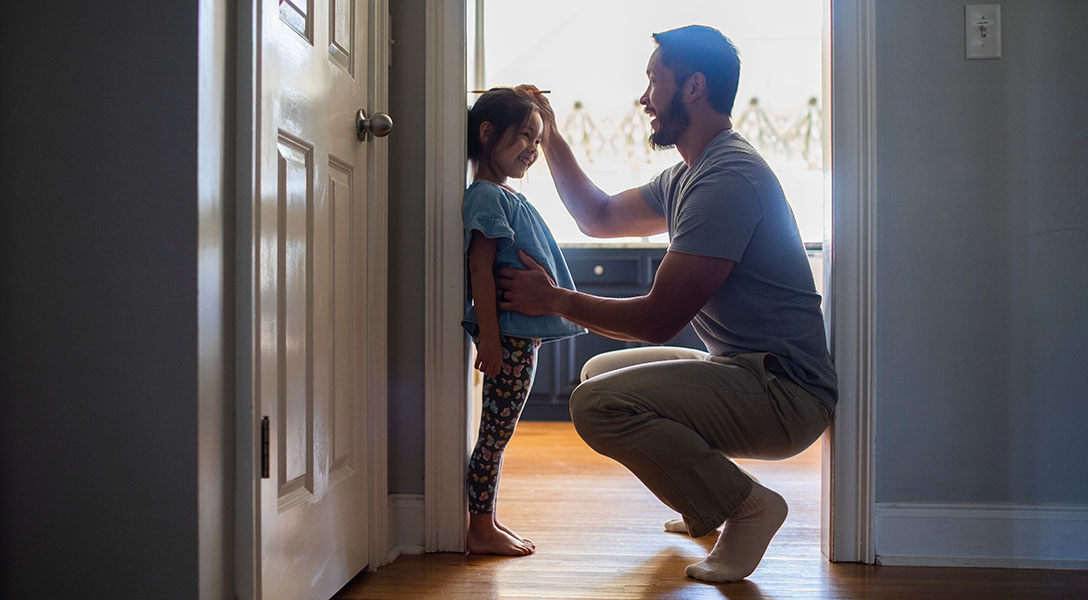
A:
(779, 109)
(849, 282)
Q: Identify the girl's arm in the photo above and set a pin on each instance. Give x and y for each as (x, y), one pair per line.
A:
(481, 264)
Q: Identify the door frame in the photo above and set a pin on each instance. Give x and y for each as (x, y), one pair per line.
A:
(446, 375)
(247, 482)
(849, 461)
(848, 472)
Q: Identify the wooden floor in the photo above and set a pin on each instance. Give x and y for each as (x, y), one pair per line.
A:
(598, 535)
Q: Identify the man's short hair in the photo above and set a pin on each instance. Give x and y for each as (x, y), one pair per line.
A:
(701, 49)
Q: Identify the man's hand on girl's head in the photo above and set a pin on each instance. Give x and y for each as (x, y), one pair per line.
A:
(547, 114)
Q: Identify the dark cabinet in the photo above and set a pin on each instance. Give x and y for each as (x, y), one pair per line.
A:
(614, 272)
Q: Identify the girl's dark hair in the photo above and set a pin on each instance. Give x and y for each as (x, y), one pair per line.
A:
(697, 48)
(504, 108)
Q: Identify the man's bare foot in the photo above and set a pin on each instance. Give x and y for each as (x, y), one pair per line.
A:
(514, 534)
(486, 538)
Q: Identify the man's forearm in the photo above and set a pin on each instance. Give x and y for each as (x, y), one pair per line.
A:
(627, 319)
(583, 199)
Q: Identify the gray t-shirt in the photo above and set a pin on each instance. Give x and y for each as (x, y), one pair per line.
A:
(730, 205)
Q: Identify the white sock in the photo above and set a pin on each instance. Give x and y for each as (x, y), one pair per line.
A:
(744, 538)
(676, 526)
(679, 526)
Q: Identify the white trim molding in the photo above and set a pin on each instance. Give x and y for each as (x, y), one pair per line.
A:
(377, 267)
(247, 495)
(407, 511)
(1040, 536)
(446, 358)
(851, 258)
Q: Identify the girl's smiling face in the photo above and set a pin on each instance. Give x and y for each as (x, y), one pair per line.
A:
(515, 151)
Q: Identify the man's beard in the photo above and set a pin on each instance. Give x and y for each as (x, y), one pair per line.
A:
(672, 124)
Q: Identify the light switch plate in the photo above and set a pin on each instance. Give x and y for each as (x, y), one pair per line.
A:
(982, 30)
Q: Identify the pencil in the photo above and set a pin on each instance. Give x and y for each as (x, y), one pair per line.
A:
(537, 91)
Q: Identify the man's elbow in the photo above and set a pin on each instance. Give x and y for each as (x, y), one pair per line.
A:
(659, 333)
(595, 224)
(592, 230)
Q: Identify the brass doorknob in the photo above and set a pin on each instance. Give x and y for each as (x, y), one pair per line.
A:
(378, 125)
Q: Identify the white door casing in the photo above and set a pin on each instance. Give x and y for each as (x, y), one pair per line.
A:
(313, 344)
(849, 469)
(446, 370)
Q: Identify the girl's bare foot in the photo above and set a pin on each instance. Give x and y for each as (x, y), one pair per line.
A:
(514, 534)
(485, 538)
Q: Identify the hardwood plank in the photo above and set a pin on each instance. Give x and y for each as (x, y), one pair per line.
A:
(598, 535)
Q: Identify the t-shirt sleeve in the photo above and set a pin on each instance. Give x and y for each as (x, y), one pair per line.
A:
(485, 210)
(656, 191)
(717, 216)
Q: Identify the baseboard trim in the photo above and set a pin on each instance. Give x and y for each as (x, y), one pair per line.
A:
(1047, 536)
(546, 412)
(407, 511)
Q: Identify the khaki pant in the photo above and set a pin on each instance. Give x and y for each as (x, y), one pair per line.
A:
(675, 417)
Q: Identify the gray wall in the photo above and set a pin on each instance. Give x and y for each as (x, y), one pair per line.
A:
(407, 150)
(101, 327)
(982, 213)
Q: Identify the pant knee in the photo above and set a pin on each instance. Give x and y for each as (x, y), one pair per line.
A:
(588, 410)
(593, 367)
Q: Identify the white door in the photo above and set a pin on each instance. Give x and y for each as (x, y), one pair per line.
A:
(312, 297)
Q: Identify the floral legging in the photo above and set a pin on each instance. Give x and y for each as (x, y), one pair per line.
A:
(503, 400)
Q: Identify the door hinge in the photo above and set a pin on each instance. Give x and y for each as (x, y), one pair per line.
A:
(264, 449)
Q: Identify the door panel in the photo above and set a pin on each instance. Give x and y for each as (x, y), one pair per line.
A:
(295, 402)
(342, 414)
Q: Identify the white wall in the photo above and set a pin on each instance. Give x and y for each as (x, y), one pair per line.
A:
(982, 202)
(112, 447)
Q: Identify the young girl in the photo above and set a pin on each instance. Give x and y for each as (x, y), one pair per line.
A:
(504, 129)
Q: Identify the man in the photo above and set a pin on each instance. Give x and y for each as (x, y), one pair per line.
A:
(737, 270)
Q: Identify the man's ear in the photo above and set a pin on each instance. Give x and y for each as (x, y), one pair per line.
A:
(486, 130)
(695, 86)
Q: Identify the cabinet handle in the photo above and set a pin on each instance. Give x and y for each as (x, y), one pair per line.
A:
(598, 270)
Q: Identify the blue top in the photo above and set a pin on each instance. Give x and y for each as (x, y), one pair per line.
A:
(509, 218)
(730, 205)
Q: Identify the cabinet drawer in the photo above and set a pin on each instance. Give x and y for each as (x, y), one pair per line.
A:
(597, 270)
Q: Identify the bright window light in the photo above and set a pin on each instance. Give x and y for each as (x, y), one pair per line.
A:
(593, 55)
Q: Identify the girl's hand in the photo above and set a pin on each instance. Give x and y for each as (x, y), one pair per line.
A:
(489, 356)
